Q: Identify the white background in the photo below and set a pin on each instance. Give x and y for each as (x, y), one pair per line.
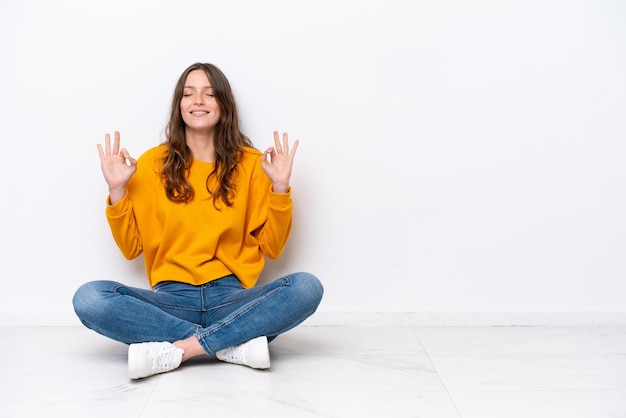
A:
(455, 156)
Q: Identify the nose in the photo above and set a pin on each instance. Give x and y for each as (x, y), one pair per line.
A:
(198, 100)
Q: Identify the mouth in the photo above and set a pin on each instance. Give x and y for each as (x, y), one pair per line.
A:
(199, 112)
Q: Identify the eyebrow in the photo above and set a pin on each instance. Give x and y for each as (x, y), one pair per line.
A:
(202, 88)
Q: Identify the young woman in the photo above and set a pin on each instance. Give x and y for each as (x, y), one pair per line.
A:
(204, 208)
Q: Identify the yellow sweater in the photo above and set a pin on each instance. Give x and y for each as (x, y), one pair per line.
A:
(196, 243)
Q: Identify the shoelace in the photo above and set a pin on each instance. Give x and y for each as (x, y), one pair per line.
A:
(235, 353)
(163, 359)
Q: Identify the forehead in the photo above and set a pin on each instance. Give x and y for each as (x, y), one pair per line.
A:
(197, 78)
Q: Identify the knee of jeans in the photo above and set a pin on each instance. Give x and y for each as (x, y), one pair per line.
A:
(86, 299)
(309, 285)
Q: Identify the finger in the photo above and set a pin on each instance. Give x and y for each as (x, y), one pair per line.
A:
(277, 143)
(100, 152)
(285, 143)
(125, 155)
(116, 144)
(128, 158)
(294, 147)
(107, 145)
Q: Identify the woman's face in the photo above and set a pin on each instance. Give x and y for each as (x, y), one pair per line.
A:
(198, 106)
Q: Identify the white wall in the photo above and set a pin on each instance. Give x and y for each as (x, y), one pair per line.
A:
(457, 158)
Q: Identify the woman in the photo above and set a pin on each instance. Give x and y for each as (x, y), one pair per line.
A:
(204, 208)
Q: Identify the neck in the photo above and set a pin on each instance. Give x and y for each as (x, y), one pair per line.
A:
(202, 147)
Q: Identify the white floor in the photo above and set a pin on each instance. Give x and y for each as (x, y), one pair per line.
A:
(501, 372)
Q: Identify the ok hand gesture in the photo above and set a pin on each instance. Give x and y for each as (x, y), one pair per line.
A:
(277, 162)
(117, 166)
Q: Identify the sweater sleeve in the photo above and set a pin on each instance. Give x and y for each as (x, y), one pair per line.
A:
(272, 212)
(273, 235)
(121, 219)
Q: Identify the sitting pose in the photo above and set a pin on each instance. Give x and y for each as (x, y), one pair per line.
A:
(204, 208)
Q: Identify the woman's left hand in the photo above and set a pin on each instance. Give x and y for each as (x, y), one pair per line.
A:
(277, 162)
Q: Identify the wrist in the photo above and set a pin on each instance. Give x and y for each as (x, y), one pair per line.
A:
(280, 187)
(116, 193)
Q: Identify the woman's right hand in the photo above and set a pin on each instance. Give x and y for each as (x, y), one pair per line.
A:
(117, 166)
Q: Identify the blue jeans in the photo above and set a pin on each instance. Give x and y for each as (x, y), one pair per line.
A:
(220, 314)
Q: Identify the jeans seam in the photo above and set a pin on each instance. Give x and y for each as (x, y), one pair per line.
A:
(201, 335)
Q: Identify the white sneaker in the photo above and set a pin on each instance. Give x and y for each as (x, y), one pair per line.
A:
(146, 359)
(254, 353)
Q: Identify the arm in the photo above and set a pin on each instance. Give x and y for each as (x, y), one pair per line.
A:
(277, 163)
(118, 167)
(274, 233)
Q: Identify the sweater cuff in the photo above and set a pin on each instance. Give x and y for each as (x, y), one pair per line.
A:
(280, 200)
(119, 208)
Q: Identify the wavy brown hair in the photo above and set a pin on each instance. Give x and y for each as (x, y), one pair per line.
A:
(228, 142)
